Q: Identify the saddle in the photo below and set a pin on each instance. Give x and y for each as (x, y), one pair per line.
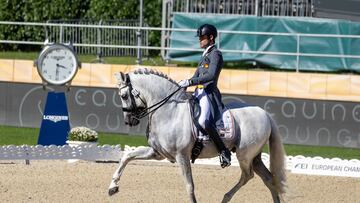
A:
(226, 131)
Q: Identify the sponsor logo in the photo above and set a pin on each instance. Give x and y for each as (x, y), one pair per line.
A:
(55, 118)
(58, 58)
(301, 166)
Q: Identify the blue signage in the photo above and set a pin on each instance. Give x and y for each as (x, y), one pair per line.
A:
(55, 121)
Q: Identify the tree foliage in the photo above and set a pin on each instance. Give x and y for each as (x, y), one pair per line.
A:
(43, 10)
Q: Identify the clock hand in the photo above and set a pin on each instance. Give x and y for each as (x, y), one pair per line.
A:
(61, 66)
(57, 73)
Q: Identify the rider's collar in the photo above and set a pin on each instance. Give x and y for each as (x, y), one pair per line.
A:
(208, 49)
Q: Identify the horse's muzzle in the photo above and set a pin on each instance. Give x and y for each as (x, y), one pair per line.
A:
(131, 121)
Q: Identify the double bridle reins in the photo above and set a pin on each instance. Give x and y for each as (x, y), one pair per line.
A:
(139, 113)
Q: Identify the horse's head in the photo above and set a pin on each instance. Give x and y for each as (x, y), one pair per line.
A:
(142, 92)
(132, 103)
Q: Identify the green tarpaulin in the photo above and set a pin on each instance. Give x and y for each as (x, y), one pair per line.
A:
(272, 43)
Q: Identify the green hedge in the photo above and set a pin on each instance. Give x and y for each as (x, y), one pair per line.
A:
(43, 10)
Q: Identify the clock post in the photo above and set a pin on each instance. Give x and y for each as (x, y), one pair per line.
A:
(57, 65)
(55, 124)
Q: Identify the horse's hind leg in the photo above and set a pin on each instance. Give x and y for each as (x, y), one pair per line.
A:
(139, 153)
(266, 176)
(246, 174)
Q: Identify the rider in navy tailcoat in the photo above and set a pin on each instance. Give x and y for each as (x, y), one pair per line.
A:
(205, 79)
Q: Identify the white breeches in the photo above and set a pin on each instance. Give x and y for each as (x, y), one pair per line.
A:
(204, 106)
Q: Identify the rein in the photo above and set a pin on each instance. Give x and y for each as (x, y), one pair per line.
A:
(140, 113)
(144, 112)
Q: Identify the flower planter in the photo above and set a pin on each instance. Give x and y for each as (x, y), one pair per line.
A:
(80, 143)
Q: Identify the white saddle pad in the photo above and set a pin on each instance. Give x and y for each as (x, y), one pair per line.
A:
(228, 131)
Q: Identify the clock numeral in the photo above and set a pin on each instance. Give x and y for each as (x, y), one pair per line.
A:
(44, 71)
(69, 72)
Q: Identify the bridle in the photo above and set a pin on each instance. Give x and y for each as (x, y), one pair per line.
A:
(141, 112)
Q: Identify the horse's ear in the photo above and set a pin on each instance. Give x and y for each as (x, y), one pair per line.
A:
(120, 76)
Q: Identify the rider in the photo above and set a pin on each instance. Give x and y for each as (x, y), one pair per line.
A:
(207, 92)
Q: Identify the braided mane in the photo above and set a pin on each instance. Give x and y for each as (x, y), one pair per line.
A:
(154, 72)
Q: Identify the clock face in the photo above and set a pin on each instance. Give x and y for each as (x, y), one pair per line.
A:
(57, 64)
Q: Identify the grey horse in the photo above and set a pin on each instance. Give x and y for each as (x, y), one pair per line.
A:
(170, 133)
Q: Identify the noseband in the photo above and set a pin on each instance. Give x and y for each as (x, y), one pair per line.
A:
(133, 109)
(140, 112)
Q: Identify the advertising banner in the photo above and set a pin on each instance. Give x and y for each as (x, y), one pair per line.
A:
(326, 167)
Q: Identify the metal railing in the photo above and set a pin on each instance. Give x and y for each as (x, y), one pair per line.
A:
(298, 37)
(76, 32)
(91, 35)
(303, 8)
(165, 48)
(246, 7)
(297, 8)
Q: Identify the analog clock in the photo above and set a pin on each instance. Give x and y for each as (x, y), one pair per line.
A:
(57, 64)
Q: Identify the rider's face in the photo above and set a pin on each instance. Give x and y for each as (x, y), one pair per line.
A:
(204, 41)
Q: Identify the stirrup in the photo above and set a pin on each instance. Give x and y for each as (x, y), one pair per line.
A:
(225, 158)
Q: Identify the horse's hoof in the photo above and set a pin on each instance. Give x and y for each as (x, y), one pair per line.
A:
(113, 190)
(226, 199)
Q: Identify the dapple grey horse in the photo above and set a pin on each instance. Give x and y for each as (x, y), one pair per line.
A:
(170, 133)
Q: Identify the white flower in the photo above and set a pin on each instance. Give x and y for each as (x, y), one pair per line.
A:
(82, 134)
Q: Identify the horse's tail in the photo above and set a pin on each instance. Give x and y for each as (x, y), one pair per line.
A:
(277, 157)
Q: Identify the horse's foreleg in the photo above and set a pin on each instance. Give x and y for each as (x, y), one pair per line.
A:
(141, 153)
(185, 166)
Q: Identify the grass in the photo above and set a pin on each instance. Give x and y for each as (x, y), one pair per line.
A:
(29, 136)
(19, 136)
(113, 139)
(322, 151)
(124, 60)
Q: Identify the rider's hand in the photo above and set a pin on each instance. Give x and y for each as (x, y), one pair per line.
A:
(184, 83)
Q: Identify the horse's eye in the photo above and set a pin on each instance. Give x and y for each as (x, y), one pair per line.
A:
(124, 96)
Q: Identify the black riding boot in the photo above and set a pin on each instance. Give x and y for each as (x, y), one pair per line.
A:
(224, 153)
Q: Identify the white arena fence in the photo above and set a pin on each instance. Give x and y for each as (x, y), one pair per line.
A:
(112, 153)
(39, 152)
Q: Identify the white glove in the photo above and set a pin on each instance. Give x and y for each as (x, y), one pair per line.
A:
(184, 83)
